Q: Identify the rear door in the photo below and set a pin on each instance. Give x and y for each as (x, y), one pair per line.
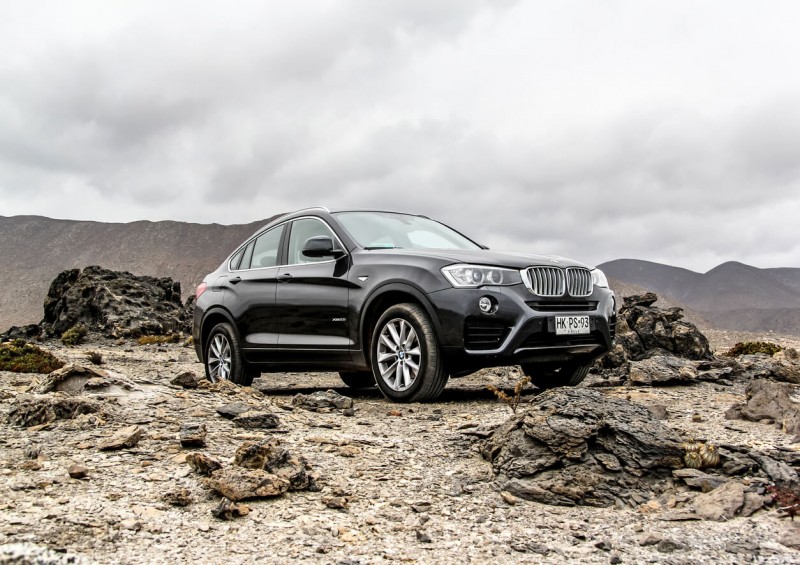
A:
(251, 289)
(311, 299)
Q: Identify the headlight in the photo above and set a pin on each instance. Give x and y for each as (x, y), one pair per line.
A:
(599, 278)
(473, 276)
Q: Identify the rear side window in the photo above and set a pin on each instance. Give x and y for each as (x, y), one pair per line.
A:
(265, 249)
(236, 260)
(248, 255)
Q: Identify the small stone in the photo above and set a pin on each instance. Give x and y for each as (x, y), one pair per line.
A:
(125, 438)
(32, 451)
(336, 502)
(720, 504)
(131, 524)
(233, 409)
(697, 417)
(423, 537)
(615, 559)
(238, 483)
(349, 411)
(669, 546)
(650, 539)
(203, 464)
(78, 471)
(178, 497)
(509, 498)
(421, 507)
(254, 419)
(187, 379)
(193, 435)
(228, 510)
(322, 400)
(603, 545)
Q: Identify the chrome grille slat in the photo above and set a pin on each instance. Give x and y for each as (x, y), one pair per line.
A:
(555, 281)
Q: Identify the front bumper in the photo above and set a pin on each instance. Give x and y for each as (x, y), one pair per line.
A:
(521, 329)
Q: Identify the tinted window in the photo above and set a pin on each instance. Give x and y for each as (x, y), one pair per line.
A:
(265, 250)
(235, 260)
(248, 255)
(389, 230)
(301, 231)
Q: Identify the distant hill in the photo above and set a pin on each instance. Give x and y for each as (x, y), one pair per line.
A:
(34, 249)
(731, 296)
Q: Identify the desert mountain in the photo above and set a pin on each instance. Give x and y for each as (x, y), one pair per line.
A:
(732, 295)
(34, 249)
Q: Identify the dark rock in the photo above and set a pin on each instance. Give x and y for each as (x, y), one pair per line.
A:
(114, 304)
(77, 471)
(202, 463)
(423, 537)
(753, 502)
(778, 472)
(232, 409)
(238, 483)
(125, 438)
(76, 379)
(255, 419)
(720, 504)
(696, 478)
(29, 332)
(662, 369)
(578, 446)
(669, 546)
(642, 328)
(659, 411)
(193, 435)
(322, 400)
(228, 510)
(783, 369)
(178, 497)
(270, 456)
(34, 410)
(768, 400)
(187, 379)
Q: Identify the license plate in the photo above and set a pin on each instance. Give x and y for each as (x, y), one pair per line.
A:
(568, 325)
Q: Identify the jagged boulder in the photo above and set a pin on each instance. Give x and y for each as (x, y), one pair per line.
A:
(771, 401)
(581, 447)
(114, 303)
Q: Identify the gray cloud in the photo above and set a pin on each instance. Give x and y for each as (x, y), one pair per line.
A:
(651, 131)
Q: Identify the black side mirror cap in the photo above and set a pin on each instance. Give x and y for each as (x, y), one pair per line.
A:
(321, 246)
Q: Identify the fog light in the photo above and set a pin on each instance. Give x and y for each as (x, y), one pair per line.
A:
(486, 305)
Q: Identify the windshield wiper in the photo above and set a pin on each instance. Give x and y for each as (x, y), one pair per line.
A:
(375, 247)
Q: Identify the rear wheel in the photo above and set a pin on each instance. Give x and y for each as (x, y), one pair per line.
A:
(406, 360)
(549, 375)
(223, 358)
(358, 379)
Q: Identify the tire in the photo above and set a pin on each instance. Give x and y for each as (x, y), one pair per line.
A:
(223, 357)
(358, 379)
(405, 355)
(547, 375)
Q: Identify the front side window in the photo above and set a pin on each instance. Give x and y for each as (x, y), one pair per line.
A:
(302, 230)
(265, 250)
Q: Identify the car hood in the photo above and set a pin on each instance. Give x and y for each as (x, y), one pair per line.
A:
(489, 257)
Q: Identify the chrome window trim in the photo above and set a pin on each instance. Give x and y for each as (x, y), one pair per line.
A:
(283, 223)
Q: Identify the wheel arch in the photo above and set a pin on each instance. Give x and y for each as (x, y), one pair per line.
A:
(211, 319)
(383, 298)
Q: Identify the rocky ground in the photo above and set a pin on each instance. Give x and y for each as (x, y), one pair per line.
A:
(389, 482)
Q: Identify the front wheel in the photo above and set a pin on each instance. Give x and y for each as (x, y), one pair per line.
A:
(547, 375)
(406, 360)
(223, 359)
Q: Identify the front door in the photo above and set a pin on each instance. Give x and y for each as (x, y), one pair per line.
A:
(311, 299)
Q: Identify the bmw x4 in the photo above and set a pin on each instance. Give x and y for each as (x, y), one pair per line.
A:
(399, 301)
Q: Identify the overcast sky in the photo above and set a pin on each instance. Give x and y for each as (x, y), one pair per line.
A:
(667, 131)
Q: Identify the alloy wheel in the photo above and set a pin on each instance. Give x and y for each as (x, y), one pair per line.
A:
(219, 358)
(399, 354)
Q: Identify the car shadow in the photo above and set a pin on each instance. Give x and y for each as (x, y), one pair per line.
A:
(450, 394)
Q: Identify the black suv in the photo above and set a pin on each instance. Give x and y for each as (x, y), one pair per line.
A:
(398, 300)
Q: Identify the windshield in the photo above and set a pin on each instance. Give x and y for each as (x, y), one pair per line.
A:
(386, 230)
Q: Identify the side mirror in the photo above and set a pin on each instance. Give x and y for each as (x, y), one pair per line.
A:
(321, 246)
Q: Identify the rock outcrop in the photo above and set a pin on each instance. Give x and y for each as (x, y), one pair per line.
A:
(581, 447)
(112, 303)
(770, 401)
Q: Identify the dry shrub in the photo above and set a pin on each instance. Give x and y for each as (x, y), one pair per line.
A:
(18, 356)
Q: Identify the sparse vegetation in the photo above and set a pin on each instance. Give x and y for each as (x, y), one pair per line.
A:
(700, 455)
(158, 339)
(787, 499)
(95, 357)
(511, 400)
(74, 335)
(753, 347)
(19, 356)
